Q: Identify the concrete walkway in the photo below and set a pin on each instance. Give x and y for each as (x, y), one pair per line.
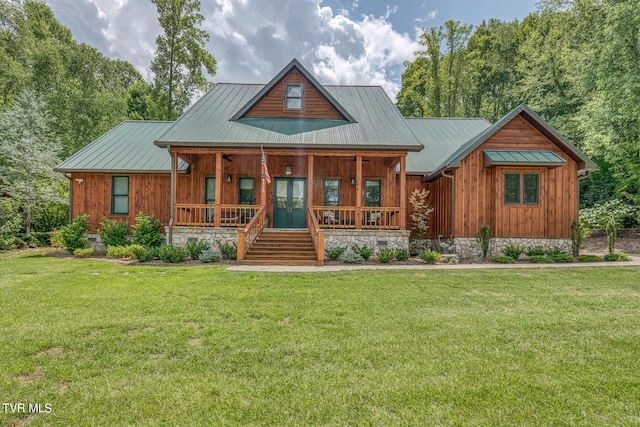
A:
(635, 262)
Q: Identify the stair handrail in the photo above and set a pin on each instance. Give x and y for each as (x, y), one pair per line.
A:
(317, 234)
(248, 235)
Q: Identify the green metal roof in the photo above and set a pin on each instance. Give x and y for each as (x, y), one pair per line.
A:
(441, 138)
(523, 157)
(127, 148)
(379, 125)
(584, 163)
(289, 126)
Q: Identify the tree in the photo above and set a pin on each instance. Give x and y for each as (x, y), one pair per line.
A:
(180, 55)
(28, 153)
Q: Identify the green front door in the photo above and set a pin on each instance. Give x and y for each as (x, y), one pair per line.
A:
(289, 204)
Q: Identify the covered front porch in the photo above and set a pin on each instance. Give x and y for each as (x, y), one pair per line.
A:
(341, 190)
(309, 189)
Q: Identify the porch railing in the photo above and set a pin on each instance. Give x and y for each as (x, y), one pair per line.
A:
(317, 235)
(195, 215)
(377, 218)
(248, 235)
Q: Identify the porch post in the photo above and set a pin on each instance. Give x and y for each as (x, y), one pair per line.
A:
(403, 192)
(172, 196)
(217, 211)
(359, 191)
(310, 183)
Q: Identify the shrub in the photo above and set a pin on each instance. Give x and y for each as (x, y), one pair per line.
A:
(352, 258)
(146, 231)
(402, 254)
(363, 251)
(589, 258)
(578, 236)
(474, 260)
(74, 235)
(210, 255)
(561, 258)
(513, 251)
(421, 210)
(172, 254)
(144, 254)
(83, 253)
(385, 255)
(484, 238)
(195, 249)
(56, 239)
(114, 233)
(503, 260)
(429, 256)
(624, 214)
(539, 259)
(612, 233)
(616, 257)
(55, 215)
(555, 251)
(123, 251)
(334, 254)
(534, 251)
(454, 261)
(228, 250)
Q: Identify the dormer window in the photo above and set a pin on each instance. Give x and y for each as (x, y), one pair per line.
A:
(294, 97)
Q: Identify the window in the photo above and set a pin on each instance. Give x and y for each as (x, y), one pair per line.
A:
(530, 188)
(511, 188)
(372, 192)
(209, 190)
(120, 195)
(245, 191)
(294, 97)
(332, 192)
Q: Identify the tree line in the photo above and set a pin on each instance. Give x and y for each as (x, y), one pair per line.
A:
(58, 95)
(575, 62)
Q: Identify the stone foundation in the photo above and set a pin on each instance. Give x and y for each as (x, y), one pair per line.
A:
(376, 239)
(469, 247)
(181, 235)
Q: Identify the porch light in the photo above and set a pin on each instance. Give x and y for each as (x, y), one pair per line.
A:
(287, 170)
(229, 178)
(353, 180)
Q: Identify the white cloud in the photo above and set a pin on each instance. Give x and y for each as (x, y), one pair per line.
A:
(253, 39)
(430, 16)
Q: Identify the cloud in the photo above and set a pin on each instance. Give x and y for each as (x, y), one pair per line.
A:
(430, 16)
(253, 39)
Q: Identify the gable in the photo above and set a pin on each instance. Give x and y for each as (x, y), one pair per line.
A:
(314, 105)
(521, 129)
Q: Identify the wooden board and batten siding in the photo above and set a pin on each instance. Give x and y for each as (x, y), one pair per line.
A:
(479, 196)
(148, 193)
(315, 106)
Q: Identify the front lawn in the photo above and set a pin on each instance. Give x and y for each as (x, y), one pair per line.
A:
(114, 345)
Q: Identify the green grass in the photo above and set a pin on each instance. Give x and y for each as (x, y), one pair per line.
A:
(108, 344)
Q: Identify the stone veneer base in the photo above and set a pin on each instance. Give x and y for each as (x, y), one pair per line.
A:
(469, 247)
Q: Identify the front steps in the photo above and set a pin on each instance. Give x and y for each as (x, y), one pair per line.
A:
(282, 247)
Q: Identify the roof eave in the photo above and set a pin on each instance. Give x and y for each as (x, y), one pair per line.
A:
(291, 146)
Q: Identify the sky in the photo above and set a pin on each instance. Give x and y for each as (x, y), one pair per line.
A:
(338, 41)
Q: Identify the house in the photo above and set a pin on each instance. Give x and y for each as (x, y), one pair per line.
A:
(340, 164)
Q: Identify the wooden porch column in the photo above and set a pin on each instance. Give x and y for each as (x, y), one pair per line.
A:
(310, 183)
(217, 211)
(403, 192)
(174, 190)
(359, 191)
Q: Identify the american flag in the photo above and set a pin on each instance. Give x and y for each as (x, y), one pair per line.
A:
(265, 169)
